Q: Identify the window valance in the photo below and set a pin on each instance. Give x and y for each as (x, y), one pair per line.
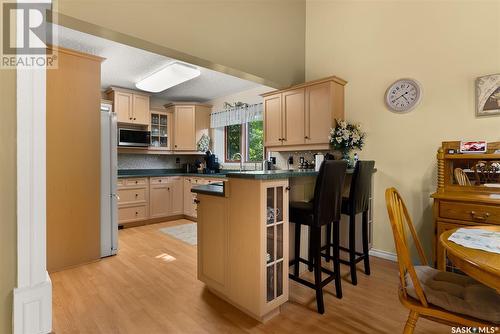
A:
(240, 114)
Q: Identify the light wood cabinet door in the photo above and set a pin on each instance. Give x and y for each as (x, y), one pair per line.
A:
(140, 109)
(159, 199)
(123, 104)
(176, 194)
(213, 241)
(188, 198)
(293, 116)
(273, 128)
(318, 113)
(184, 128)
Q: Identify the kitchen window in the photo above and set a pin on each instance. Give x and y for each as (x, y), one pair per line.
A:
(246, 139)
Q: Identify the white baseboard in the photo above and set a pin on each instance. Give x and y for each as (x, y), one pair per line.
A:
(33, 309)
(384, 255)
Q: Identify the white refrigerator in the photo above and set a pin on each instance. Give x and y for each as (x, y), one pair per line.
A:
(109, 167)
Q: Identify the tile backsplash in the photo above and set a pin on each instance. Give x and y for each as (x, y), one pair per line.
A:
(151, 161)
(282, 158)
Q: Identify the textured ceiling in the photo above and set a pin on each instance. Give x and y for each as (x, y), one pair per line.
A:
(125, 65)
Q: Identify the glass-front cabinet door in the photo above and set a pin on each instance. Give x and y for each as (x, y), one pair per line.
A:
(160, 124)
(276, 233)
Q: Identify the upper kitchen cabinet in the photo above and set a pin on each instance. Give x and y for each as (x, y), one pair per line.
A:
(190, 122)
(301, 117)
(130, 106)
(161, 129)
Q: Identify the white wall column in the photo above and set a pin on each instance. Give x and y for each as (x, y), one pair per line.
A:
(32, 311)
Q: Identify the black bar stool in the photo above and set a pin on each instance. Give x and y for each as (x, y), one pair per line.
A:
(358, 202)
(323, 210)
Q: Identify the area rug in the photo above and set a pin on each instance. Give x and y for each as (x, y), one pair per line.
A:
(184, 232)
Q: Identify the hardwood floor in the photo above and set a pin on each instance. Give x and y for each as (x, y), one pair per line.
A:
(151, 287)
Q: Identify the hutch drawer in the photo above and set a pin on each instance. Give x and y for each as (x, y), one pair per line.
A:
(477, 213)
(136, 182)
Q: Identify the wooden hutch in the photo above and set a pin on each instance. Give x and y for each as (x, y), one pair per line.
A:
(468, 192)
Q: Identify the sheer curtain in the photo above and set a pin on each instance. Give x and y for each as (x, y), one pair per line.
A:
(236, 115)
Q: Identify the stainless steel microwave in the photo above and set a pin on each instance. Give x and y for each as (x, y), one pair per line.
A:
(133, 138)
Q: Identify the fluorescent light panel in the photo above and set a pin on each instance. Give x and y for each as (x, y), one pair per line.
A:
(169, 76)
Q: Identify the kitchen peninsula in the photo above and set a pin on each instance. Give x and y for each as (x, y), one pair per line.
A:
(243, 236)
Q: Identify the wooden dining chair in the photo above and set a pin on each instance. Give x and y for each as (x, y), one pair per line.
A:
(415, 280)
(461, 177)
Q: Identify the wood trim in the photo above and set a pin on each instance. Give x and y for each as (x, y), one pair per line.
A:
(75, 53)
(305, 84)
(124, 90)
(196, 104)
(305, 147)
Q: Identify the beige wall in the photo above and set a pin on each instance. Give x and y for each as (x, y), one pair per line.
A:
(8, 234)
(443, 44)
(262, 37)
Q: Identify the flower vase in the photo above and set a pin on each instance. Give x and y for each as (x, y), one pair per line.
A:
(347, 157)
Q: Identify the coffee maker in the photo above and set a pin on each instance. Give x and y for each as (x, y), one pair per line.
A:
(211, 163)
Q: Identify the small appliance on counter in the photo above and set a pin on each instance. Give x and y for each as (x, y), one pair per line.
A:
(212, 165)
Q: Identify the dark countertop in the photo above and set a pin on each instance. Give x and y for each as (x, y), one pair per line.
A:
(256, 175)
(124, 173)
(214, 189)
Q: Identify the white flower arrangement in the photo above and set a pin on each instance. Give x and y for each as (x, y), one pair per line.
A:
(347, 136)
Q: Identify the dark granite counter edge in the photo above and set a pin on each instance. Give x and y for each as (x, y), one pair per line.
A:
(127, 173)
(209, 189)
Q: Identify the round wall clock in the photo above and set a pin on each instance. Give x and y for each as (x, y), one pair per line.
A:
(403, 95)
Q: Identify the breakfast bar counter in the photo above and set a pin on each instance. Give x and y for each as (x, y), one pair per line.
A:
(243, 236)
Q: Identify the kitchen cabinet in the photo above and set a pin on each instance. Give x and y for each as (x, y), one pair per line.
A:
(256, 232)
(190, 122)
(130, 106)
(133, 203)
(213, 242)
(272, 120)
(73, 180)
(176, 205)
(159, 191)
(161, 129)
(166, 196)
(301, 117)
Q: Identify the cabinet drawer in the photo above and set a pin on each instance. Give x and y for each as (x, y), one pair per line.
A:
(136, 181)
(158, 180)
(133, 213)
(128, 196)
(486, 214)
(120, 182)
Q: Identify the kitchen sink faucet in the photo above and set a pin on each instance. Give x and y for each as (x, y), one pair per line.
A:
(238, 155)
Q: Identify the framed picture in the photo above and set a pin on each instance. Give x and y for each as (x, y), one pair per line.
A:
(473, 146)
(488, 95)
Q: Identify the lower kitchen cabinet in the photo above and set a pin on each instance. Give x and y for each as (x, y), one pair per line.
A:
(213, 242)
(176, 189)
(133, 203)
(159, 191)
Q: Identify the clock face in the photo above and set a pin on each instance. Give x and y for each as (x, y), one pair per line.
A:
(403, 95)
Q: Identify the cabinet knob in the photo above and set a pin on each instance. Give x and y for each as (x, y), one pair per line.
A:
(136, 182)
(175, 145)
(130, 118)
(134, 118)
(287, 188)
(159, 180)
(197, 201)
(306, 137)
(168, 188)
(136, 213)
(136, 195)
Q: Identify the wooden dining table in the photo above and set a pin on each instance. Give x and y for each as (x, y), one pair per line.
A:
(478, 264)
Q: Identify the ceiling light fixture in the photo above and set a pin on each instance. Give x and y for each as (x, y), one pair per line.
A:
(169, 76)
